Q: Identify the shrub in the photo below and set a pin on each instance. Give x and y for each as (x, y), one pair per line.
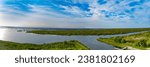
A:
(148, 43)
(119, 40)
(142, 43)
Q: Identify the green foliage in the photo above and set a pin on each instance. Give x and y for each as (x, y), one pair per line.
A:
(142, 43)
(148, 42)
(137, 41)
(89, 31)
(119, 40)
(66, 45)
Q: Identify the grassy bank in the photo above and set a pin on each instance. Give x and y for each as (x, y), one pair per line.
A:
(135, 41)
(66, 45)
(90, 31)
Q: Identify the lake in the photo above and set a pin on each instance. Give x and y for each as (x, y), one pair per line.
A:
(19, 35)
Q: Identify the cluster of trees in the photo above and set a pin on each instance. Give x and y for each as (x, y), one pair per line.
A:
(143, 43)
(139, 43)
(120, 39)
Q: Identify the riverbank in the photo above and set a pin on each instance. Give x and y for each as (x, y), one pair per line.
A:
(66, 45)
(89, 31)
(131, 42)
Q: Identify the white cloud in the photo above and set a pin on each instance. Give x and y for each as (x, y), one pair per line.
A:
(43, 10)
(47, 17)
(75, 11)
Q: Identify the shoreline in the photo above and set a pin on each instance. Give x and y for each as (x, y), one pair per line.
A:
(66, 45)
(139, 41)
(86, 32)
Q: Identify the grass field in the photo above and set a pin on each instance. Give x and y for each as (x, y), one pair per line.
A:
(135, 41)
(90, 31)
(66, 45)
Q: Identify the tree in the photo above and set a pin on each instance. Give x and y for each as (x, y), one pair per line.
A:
(119, 40)
(142, 43)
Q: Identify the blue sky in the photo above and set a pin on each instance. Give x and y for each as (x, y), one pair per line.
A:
(75, 13)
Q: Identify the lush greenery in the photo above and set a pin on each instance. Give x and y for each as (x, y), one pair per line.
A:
(66, 45)
(89, 31)
(135, 41)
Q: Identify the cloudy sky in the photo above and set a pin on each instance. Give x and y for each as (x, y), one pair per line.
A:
(75, 13)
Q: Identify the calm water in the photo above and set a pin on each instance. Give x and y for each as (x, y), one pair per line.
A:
(13, 35)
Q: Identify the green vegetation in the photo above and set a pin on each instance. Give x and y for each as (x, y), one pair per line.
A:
(90, 31)
(66, 45)
(135, 41)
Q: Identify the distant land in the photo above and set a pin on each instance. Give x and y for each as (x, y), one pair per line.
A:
(50, 28)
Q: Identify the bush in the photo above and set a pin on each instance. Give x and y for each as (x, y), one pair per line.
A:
(148, 43)
(142, 43)
(119, 40)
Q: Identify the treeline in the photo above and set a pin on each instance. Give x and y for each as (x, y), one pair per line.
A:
(90, 31)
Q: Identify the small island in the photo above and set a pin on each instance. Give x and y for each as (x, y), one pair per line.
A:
(134, 42)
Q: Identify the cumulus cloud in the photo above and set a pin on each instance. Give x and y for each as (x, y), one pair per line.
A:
(76, 14)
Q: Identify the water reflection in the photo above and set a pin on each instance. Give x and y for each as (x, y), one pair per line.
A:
(14, 35)
(2, 33)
